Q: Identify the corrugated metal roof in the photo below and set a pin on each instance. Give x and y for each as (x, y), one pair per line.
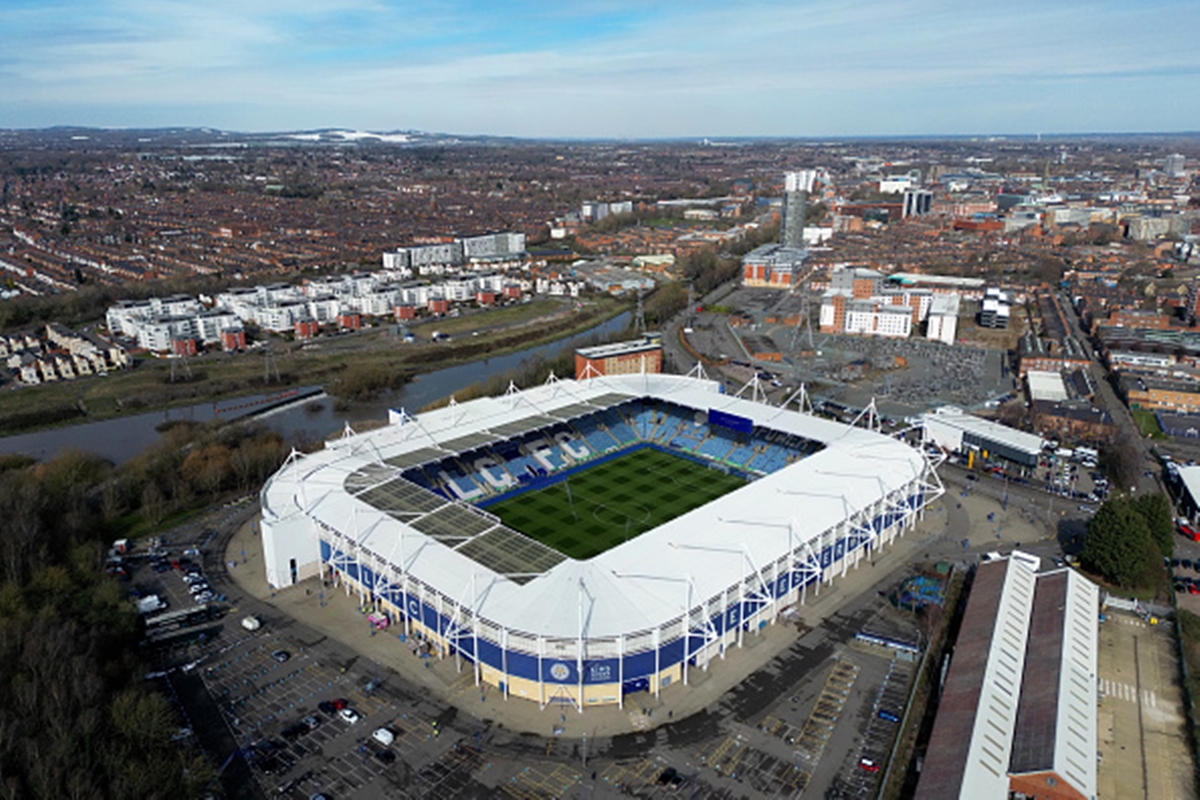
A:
(1002, 434)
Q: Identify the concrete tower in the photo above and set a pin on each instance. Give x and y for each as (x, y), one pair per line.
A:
(796, 186)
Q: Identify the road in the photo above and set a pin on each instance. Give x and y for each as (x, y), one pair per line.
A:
(1107, 399)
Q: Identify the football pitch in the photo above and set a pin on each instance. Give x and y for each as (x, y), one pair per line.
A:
(602, 507)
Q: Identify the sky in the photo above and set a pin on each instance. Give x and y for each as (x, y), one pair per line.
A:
(606, 68)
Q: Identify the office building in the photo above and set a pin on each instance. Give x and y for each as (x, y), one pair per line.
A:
(917, 202)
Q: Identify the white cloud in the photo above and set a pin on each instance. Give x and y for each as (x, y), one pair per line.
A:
(588, 69)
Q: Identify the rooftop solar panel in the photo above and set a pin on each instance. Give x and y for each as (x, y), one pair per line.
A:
(415, 457)
(462, 444)
(453, 520)
(402, 499)
(574, 410)
(520, 426)
(367, 476)
(507, 552)
(609, 399)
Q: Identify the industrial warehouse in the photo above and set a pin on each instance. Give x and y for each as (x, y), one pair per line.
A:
(444, 523)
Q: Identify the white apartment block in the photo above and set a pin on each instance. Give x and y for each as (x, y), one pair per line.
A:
(874, 318)
(324, 309)
(941, 324)
(211, 324)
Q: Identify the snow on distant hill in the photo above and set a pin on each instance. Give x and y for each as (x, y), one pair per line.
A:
(351, 136)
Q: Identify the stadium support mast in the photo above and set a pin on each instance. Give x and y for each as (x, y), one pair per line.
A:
(871, 414)
(757, 393)
(801, 398)
(698, 372)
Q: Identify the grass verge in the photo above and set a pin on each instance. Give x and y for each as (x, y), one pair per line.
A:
(1147, 423)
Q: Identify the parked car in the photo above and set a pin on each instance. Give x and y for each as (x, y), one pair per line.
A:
(294, 731)
(384, 736)
(868, 765)
(349, 715)
(281, 655)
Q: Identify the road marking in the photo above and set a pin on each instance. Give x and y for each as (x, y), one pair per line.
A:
(1124, 691)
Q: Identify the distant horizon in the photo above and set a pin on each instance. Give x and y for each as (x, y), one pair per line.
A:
(615, 70)
(697, 138)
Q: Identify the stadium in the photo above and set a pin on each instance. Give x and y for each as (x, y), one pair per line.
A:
(581, 540)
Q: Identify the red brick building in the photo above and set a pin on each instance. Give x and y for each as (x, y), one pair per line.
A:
(307, 329)
(233, 340)
(620, 358)
(184, 347)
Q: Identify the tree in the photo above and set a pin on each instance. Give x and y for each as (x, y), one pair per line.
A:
(1119, 546)
(1156, 511)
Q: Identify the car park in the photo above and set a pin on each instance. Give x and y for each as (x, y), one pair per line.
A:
(294, 731)
(670, 777)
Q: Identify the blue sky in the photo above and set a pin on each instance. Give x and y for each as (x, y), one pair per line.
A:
(607, 68)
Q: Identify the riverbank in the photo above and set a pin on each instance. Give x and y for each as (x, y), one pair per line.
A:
(153, 385)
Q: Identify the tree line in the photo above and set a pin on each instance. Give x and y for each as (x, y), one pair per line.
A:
(76, 718)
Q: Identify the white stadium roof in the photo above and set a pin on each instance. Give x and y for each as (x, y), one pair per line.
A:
(639, 584)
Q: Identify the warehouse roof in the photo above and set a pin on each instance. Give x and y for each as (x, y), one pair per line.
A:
(986, 429)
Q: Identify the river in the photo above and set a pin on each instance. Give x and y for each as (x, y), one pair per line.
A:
(122, 438)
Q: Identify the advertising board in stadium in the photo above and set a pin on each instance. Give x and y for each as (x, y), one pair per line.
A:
(731, 421)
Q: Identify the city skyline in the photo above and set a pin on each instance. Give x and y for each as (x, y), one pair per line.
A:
(601, 70)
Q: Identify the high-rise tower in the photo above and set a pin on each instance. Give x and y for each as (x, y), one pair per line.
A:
(796, 186)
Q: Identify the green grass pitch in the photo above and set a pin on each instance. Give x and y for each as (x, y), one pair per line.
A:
(613, 502)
